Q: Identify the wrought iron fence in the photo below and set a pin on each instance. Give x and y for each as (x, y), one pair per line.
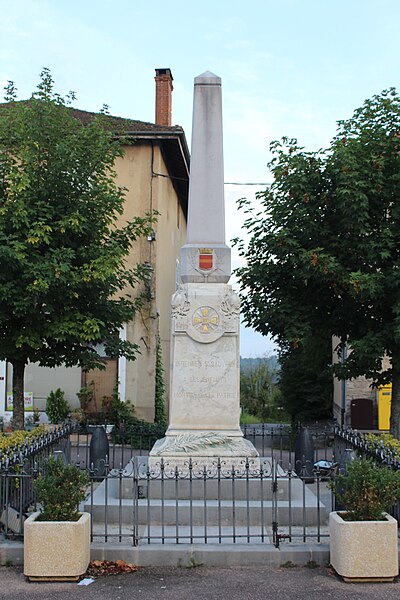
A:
(352, 440)
(38, 450)
(280, 498)
(18, 467)
(280, 441)
(277, 442)
(252, 502)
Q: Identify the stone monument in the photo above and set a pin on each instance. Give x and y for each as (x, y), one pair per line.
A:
(204, 415)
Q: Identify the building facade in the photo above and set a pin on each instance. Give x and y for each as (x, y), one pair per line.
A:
(155, 172)
(359, 404)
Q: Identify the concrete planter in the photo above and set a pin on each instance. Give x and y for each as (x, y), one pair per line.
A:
(364, 550)
(56, 550)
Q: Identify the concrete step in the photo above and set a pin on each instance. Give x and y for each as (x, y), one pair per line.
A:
(211, 501)
(136, 479)
(211, 489)
(210, 512)
(198, 535)
(239, 489)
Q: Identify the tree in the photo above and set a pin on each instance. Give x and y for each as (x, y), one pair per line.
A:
(324, 253)
(306, 381)
(258, 390)
(64, 283)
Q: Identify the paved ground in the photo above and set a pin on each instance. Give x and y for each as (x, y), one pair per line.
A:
(201, 583)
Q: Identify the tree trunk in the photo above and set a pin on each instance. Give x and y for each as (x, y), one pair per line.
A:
(395, 407)
(18, 394)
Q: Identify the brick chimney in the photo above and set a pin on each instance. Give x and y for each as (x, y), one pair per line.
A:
(164, 89)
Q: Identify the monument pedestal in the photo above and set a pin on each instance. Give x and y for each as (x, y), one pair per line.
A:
(204, 450)
(204, 412)
(204, 419)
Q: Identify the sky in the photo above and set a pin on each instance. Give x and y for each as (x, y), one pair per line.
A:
(288, 67)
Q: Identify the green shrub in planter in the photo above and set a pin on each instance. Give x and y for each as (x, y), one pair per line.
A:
(57, 408)
(367, 491)
(59, 490)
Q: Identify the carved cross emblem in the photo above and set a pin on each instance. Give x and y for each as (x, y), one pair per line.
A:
(205, 319)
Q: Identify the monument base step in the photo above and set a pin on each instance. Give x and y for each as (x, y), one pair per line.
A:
(211, 512)
(134, 497)
(202, 450)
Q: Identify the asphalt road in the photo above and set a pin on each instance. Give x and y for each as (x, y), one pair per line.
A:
(201, 583)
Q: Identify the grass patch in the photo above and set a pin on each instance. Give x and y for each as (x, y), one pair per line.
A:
(246, 419)
(193, 563)
(8, 563)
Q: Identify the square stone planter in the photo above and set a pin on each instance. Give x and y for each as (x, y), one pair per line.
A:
(364, 550)
(56, 550)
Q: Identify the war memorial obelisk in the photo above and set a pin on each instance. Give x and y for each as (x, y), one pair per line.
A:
(204, 415)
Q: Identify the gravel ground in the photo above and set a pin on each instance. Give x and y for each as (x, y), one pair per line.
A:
(239, 583)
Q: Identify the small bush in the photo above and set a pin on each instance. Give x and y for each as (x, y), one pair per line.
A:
(86, 397)
(117, 412)
(57, 408)
(59, 490)
(367, 491)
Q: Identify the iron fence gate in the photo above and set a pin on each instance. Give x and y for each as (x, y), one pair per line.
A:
(131, 501)
(253, 502)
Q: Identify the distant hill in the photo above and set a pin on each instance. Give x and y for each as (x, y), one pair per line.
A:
(247, 364)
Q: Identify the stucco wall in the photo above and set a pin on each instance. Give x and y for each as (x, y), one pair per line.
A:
(145, 192)
(171, 235)
(42, 380)
(148, 192)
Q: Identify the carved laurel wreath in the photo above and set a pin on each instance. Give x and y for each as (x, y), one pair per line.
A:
(192, 442)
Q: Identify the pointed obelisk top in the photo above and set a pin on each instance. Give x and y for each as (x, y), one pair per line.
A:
(205, 257)
(207, 78)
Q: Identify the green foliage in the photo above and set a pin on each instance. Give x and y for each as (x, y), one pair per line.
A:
(259, 395)
(116, 412)
(138, 433)
(36, 415)
(57, 408)
(193, 563)
(160, 416)
(246, 419)
(60, 490)
(86, 397)
(79, 416)
(8, 443)
(65, 284)
(305, 380)
(385, 442)
(8, 563)
(323, 256)
(367, 491)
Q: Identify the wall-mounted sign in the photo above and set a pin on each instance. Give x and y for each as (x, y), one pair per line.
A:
(28, 398)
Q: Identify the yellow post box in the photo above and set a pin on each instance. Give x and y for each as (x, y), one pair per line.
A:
(384, 402)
